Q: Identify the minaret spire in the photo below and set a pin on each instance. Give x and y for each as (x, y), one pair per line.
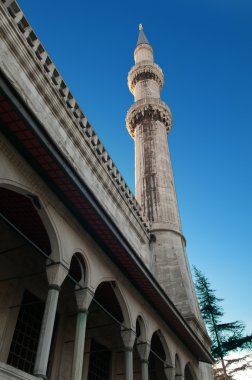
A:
(141, 37)
(149, 121)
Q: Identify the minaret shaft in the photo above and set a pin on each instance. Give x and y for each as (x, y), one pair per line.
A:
(148, 121)
(156, 194)
(153, 176)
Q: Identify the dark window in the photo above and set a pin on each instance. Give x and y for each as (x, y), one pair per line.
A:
(26, 335)
(99, 364)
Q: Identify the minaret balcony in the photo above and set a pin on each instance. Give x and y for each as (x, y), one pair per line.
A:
(150, 108)
(145, 71)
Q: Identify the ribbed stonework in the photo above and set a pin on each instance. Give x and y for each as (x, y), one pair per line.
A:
(149, 121)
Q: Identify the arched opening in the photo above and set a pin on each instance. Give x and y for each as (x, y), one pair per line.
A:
(21, 213)
(75, 280)
(159, 359)
(77, 271)
(105, 299)
(67, 307)
(140, 329)
(25, 247)
(140, 340)
(106, 318)
(189, 373)
(107, 315)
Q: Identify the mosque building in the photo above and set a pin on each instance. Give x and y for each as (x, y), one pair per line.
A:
(94, 281)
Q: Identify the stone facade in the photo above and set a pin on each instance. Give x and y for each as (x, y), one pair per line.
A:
(78, 294)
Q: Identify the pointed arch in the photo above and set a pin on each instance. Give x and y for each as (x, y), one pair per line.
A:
(77, 270)
(160, 358)
(165, 347)
(141, 333)
(83, 259)
(29, 234)
(16, 193)
(189, 373)
(102, 296)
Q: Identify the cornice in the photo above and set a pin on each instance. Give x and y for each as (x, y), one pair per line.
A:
(45, 77)
(151, 108)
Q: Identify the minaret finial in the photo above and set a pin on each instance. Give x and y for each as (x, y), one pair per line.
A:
(141, 37)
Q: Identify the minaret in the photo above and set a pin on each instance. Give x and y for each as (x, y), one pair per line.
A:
(149, 121)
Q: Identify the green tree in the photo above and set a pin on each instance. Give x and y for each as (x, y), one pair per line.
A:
(226, 337)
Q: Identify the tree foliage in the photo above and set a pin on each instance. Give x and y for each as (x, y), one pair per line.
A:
(226, 337)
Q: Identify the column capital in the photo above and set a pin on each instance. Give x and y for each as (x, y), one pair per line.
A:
(83, 299)
(143, 349)
(128, 337)
(56, 274)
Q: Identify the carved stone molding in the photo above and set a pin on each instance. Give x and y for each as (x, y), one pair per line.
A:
(154, 109)
(146, 71)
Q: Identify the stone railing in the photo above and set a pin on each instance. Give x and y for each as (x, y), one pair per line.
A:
(72, 106)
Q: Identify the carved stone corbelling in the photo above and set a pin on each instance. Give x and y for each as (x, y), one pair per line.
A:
(154, 109)
(143, 72)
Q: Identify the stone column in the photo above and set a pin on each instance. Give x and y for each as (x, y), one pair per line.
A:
(56, 274)
(144, 351)
(83, 299)
(128, 352)
(128, 337)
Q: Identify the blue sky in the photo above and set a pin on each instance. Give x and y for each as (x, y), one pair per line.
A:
(205, 50)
